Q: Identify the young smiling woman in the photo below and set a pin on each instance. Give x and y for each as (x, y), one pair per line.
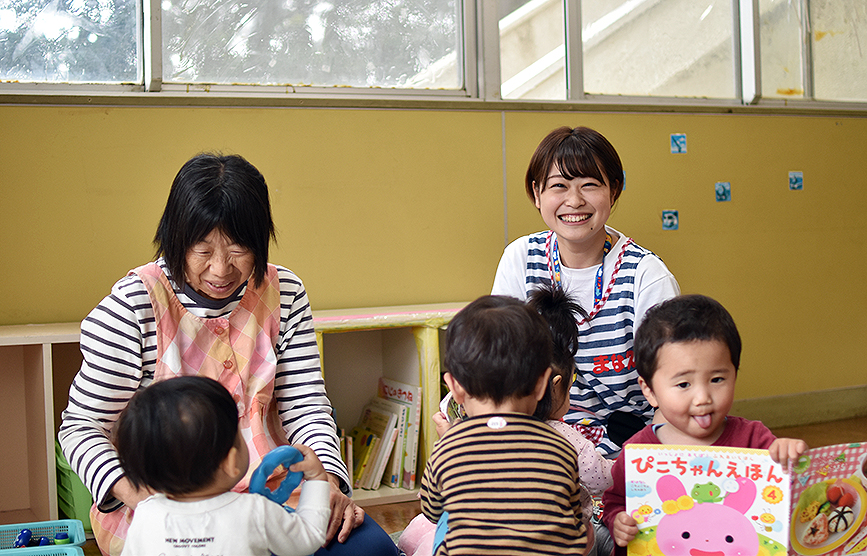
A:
(574, 180)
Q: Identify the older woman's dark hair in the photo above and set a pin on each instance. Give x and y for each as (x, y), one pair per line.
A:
(174, 434)
(214, 192)
(578, 152)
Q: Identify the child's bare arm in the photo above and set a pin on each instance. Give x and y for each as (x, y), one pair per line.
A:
(310, 465)
(786, 451)
(624, 529)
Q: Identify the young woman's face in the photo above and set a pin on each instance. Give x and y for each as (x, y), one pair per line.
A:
(216, 266)
(576, 210)
(694, 387)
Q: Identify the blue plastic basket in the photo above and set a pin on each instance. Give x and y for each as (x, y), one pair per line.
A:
(72, 527)
(63, 550)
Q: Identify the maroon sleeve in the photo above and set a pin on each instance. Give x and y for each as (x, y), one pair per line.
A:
(614, 499)
(762, 436)
(744, 433)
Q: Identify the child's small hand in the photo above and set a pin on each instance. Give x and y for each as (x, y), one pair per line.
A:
(625, 529)
(310, 465)
(441, 422)
(786, 451)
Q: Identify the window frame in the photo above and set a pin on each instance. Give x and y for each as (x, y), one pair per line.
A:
(480, 70)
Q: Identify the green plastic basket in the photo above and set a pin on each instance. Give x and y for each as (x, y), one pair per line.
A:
(73, 498)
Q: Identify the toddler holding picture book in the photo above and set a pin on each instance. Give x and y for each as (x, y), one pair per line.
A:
(687, 352)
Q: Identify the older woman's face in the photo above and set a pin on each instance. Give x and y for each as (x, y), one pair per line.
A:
(216, 266)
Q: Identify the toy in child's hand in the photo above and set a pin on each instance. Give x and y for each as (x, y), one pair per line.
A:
(282, 455)
(451, 409)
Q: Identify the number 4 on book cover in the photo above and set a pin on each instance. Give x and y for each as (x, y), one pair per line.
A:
(719, 501)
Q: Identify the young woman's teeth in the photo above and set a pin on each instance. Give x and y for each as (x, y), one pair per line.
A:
(573, 218)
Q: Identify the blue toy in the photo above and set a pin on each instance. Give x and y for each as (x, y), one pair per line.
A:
(23, 538)
(282, 455)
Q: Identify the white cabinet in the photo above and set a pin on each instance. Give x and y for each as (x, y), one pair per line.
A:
(35, 361)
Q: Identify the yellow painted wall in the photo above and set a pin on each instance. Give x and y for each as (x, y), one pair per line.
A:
(388, 207)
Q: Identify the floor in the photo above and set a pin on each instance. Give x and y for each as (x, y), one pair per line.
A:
(394, 517)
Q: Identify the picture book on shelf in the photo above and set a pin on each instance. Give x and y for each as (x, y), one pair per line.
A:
(409, 396)
(383, 423)
(394, 466)
(364, 442)
(703, 500)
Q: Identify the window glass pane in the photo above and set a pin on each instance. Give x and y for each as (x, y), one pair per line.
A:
(839, 35)
(380, 43)
(69, 41)
(532, 49)
(658, 47)
(780, 32)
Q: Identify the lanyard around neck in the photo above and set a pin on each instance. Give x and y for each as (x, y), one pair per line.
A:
(556, 274)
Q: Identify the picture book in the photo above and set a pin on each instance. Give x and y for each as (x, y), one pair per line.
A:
(737, 501)
(364, 442)
(830, 501)
(383, 423)
(411, 397)
(345, 449)
(394, 466)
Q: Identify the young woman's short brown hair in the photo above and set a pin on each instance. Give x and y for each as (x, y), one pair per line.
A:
(577, 152)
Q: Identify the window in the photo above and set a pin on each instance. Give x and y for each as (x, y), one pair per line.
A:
(533, 50)
(549, 50)
(353, 43)
(672, 48)
(73, 41)
(821, 55)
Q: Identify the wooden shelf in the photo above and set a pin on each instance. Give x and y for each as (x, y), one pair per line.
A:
(383, 495)
(399, 342)
(27, 409)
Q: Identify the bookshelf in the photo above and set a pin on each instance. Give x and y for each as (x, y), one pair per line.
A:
(39, 361)
(399, 342)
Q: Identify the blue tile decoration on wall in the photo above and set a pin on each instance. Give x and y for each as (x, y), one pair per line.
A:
(723, 191)
(796, 181)
(678, 143)
(669, 220)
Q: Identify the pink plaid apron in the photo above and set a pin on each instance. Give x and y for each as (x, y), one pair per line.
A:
(237, 351)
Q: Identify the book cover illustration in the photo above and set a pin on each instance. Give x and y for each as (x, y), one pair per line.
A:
(830, 501)
(394, 466)
(706, 501)
(364, 443)
(411, 396)
(383, 424)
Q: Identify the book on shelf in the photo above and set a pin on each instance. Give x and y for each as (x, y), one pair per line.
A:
(729, 501)
(346, 450)
(410, 396)
(394, 466)
(364, 443)
(383, 423)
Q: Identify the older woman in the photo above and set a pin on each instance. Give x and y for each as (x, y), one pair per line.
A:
(210, 305)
